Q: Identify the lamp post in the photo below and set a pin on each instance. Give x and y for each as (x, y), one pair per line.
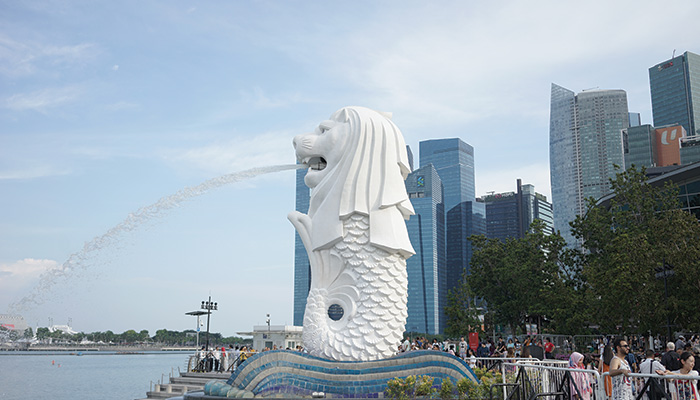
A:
(209, 306)
(197, 314)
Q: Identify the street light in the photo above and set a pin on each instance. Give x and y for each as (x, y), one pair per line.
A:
(197, 314)
(209, 306)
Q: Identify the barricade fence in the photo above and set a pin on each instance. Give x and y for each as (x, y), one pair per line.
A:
(528, 380)
(655, 386)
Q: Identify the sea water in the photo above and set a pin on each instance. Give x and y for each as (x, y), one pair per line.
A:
(102, 376)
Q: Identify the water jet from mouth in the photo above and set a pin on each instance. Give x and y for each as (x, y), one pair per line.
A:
(80, 260)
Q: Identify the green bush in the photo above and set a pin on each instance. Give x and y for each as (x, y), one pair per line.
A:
(446, 389)
(424, 386)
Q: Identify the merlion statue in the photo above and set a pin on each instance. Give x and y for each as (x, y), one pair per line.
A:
(355, 235)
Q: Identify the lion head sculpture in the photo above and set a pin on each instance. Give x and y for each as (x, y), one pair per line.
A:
(357, 164)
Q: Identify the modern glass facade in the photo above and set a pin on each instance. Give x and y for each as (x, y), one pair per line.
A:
(690, 149)
(675, 92)
(427, 276)
(463, 220)
(302, 268)
(510, 214)
(635, 119)
(454, 161)
(638, 146)
(584, 145)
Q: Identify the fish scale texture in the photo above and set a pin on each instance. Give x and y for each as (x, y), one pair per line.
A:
(375, 328)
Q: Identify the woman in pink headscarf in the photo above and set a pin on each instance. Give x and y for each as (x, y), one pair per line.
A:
(579, 380)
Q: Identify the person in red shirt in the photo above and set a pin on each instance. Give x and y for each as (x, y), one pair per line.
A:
(548, 349)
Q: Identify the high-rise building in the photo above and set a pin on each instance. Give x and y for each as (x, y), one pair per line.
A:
(675, 92)
(302, 268)
(638, 146)
(426, 269)
(453, 160)
(647, 146)
(510, 214)
(635, 119)
(690, 150)
(584, 146)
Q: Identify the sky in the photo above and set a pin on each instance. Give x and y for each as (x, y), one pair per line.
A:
(109, 110)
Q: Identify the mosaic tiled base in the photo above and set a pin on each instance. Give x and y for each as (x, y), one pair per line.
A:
(292, 374)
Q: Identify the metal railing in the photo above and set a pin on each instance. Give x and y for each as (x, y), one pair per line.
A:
(528, 380)
(656, 387)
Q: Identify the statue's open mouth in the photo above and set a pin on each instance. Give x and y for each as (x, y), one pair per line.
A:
(317, 163)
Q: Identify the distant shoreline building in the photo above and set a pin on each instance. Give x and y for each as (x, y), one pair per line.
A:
(13, 322)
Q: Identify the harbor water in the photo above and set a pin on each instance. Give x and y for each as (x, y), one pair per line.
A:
(92, 375)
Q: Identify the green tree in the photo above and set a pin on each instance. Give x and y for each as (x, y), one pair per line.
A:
(626, 242)
(461, 312)
(521, 278)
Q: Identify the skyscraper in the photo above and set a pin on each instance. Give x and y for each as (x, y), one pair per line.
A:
(675, 92)
(453, 160)
(302, 268)
(585, 144)
(510, 214)
(647, 146)
(426, 269)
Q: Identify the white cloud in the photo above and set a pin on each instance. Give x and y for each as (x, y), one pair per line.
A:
(38, 171)
(42, 100)
(18, 275)
(26, 57)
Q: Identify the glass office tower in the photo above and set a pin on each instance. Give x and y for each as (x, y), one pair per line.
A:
(585, 143)
(453, 160)
(427, 293)
(510, 214)
(675, 92)
(302, 268)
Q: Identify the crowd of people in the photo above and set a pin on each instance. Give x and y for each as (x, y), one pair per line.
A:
(620, 358)
(220, 359)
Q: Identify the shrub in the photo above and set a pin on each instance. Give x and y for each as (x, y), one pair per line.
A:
(446, 389)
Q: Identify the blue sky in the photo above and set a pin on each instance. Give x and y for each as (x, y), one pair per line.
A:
(107, 107)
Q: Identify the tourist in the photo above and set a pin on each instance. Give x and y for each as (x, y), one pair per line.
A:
(684, 389)
(406, 345)
(216, 354)
(620, 371)
(606, 356)
(500, 347)
(224, 360)
(650, 365)
(472, 358)
(581, 388)
(244, 355)
(671, 359)
(549, 349)
(680, 342)
(462, 348)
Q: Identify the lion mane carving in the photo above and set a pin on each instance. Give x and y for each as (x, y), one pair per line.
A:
(355, 235)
